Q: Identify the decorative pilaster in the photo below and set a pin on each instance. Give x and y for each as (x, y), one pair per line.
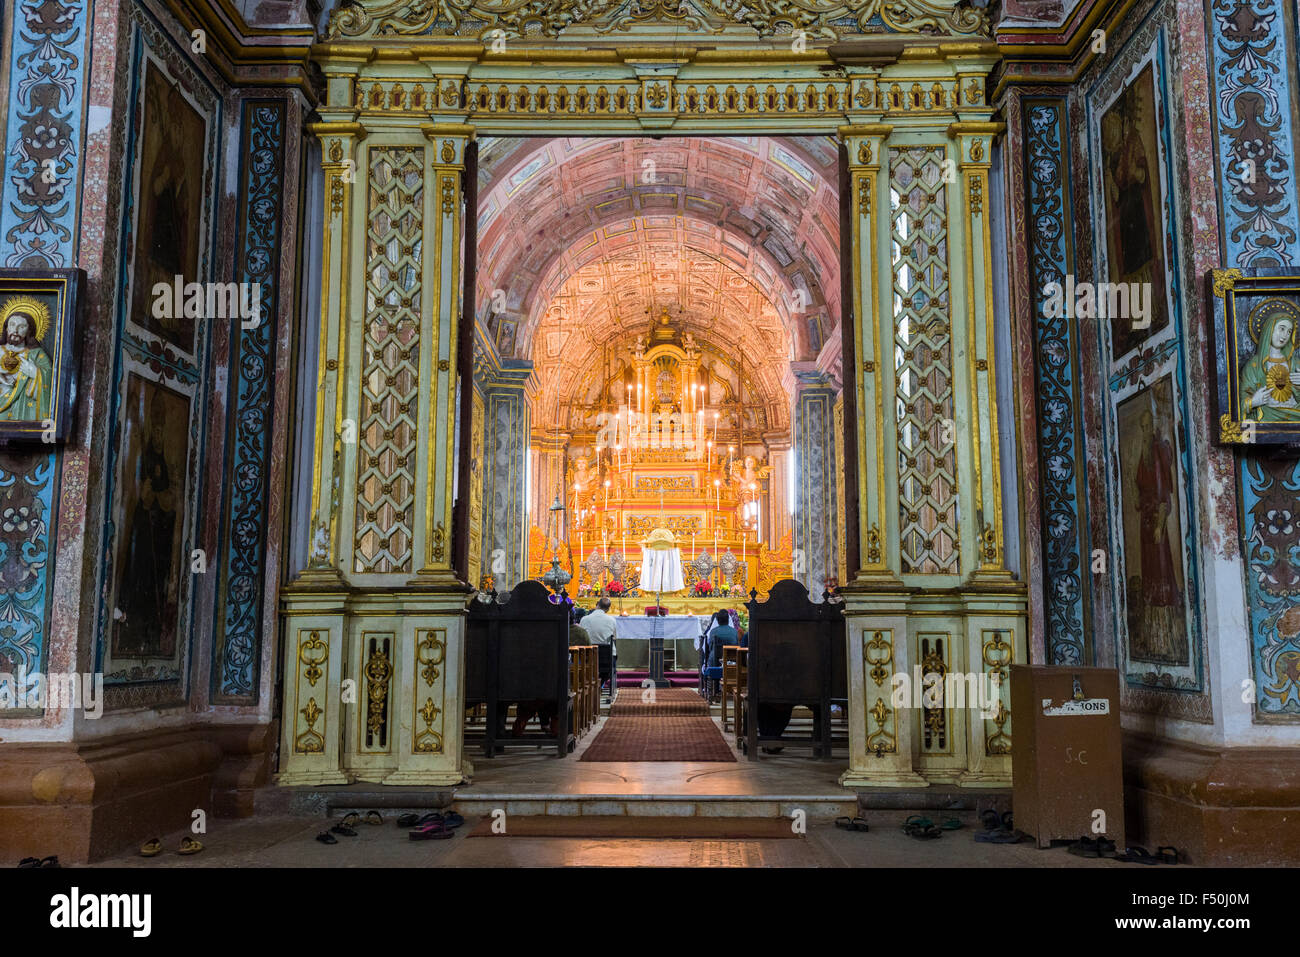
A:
(338, 162)
(505, 454)
(815, 513)
(868, 189)
(974, 149)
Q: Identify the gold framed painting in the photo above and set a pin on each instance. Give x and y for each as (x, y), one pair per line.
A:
(1256, 330)
(39, 310)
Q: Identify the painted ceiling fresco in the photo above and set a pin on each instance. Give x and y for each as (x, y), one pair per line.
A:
(582, 242)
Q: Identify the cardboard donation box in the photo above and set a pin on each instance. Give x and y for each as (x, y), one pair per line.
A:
(1067, 779)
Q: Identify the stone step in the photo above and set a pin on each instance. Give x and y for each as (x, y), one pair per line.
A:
(816, 808)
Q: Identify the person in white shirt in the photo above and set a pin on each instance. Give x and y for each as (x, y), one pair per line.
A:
(601, 626)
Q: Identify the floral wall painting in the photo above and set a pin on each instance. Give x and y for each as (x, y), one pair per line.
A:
(1135, 247)
(38, 315)
(1257, 327)
(1155, 581)
(168, 235)
(150, 566)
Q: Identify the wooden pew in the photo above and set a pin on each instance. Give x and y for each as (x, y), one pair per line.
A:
(517, 650)
(798, 655)
(730, 683)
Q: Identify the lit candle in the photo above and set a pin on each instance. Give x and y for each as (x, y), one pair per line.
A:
(710, 444)
(607, 495)
(717, 506)
(715, 426)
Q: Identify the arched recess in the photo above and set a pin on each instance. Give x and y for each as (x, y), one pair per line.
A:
(916, 136)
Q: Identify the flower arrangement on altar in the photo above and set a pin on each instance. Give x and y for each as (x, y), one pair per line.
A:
(736, 590)
(614, 589)
(703, 588)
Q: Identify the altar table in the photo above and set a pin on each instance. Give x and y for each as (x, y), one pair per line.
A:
(638, 637)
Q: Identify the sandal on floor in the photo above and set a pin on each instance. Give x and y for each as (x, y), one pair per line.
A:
(325, 837)
(921, 828)
(344, 830)
(991, 820)
(189, 846)
(1167, 858)
(51, 861)
(999, 836)
(1084, 847)
(351, 819)
(30, 862)
(418, 820)
(952, 824)
(852, 824)
(374, 817)
(434, 831)
(1137, 855)
(151, 848)
(452, 820)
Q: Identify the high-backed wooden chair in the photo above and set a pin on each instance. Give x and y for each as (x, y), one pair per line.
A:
(797, 656)
(517, 650)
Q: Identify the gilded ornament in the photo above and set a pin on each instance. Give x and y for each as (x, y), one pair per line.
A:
(448, 195)
(1224, 280)
(310, 741)
(1230, 431)
(976, 196)
(827, 20)
(430, 653)
(379, 672)
(881, 741)
(873, 545)
(439, 542)
(428, 741)
(879, 653)
(448, 151)
(336, 151)
(864, 153)
(307, 652)
(657, 94)
(977, 151)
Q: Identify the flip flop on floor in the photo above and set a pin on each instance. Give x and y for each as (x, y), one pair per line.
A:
(1137, 855)
(30, 862)
(417, 820)
(452, 819)
(852, 824)
(991, 820)
(999, 836)
(189, 846)
(374, 817)
(151, 848)
(51, 861)
(433, 831)
(325, 837)
(1167, 858)
(344, 830)
(351, 819)
(921, 828)
(952, 824)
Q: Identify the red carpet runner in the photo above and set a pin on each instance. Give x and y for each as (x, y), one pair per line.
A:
(673, 726)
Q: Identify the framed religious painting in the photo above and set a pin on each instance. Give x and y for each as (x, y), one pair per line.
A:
(39, 310)
(1256, 329)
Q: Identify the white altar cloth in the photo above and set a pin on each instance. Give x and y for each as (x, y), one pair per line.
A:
(670, 627)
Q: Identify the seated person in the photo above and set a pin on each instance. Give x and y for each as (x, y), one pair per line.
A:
(720, 635)
(601, 627)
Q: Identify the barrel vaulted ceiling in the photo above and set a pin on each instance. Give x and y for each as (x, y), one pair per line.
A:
(582, 242)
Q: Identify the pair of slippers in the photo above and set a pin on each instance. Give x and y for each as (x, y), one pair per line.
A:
(852, 824)
(924, 829)
(1093, 847)
(1140, 855)
(154, 847)
(998, 829)
(348, 826)
(51, 861)
(434, 826)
